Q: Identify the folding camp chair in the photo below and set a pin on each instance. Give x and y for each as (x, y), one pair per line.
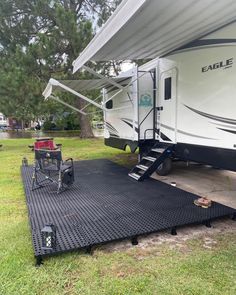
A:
(45, 144)
(50, 168)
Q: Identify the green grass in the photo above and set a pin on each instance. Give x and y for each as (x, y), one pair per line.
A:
(151, 270)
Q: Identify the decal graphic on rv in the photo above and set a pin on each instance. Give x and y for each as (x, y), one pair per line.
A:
(113, 132)
(227, 130)
(130, 123)
(145, 100)
(206, 43)
(216, 118)
(228, 63)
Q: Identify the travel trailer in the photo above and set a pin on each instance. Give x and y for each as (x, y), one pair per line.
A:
(186, 99)
(181, 105)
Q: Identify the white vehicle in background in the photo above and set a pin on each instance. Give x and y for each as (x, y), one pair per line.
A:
(3, 122)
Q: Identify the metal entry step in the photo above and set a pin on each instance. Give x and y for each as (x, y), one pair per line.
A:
(134, 175)
(152, 159)
(155, 156)
(158, 150)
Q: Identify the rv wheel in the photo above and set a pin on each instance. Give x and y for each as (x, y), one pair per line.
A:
(165, 167)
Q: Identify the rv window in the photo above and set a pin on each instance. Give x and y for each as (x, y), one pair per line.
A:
(109, 104)
(167, 93)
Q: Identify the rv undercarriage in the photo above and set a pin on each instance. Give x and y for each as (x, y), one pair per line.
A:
(216, 157)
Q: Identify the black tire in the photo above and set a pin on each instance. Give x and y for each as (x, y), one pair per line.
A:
(165, 167)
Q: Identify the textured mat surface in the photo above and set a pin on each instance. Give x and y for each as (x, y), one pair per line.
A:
(104, 204)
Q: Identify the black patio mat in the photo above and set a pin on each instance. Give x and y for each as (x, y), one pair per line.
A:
(105, 204)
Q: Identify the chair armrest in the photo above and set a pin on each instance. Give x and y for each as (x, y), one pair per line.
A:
(69, 159)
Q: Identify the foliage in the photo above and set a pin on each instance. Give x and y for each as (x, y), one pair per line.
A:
(67, 121)
(48, 125)
(40, 39)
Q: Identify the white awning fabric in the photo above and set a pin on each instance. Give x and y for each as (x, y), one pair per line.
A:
(143, 29)
(82, 85)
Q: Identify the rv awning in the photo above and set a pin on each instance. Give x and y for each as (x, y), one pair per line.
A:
(141, 29)
(82, 85)
(75, 86)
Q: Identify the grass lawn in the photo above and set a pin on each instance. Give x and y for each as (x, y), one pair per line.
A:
(155, 269)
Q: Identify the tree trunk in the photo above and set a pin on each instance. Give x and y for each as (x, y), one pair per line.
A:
(85, 126)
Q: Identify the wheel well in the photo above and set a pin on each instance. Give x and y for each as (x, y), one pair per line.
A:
(128, 148)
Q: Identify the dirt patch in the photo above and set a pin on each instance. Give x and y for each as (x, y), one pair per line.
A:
(180, 241)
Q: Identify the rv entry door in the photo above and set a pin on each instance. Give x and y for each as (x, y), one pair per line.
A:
(166, 106)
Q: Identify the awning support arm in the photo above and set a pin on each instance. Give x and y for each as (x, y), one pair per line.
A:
(108, 80)
(66, 104)
(59, 84)
(90, 103)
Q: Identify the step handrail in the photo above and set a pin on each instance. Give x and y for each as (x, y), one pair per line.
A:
(146, 117)
(154, 129)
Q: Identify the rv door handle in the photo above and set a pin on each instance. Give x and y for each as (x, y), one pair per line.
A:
(160, 108)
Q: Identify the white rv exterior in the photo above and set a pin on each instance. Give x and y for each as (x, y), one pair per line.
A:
(202, 109)
(187, 98)
(129, 108)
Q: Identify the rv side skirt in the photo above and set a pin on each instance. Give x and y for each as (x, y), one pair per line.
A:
(216, 157)
(121, 143)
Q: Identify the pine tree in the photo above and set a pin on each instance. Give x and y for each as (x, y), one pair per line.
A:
(39, 39)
